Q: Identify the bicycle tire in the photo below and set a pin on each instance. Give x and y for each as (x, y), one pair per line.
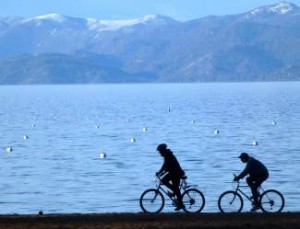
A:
(271, 201)
(230, 201)
(193, 200)
(152, 201)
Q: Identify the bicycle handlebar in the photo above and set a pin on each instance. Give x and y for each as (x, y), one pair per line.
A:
(234, 176)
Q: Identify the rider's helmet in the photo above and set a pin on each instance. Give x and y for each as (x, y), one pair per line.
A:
(244, 156)
(161, 147)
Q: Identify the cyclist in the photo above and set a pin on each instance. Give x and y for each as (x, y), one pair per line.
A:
(257, 172)
(173, 173)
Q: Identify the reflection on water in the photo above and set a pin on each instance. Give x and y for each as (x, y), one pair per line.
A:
(58, 167)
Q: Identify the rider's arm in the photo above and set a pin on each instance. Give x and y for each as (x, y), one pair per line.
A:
(244, 172)
(162, 169)
(240, 176)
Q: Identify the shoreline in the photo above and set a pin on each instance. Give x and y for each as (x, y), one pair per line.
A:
(287, 220)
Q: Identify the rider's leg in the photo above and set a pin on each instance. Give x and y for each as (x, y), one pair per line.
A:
(255, 192)
(255, 185)
(166, 181)
(259, 181)
(176, 183)
(251, 182)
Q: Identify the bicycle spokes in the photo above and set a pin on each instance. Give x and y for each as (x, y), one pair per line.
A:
(152, 201)
(272, 201)
(230, 201)
(193, 199)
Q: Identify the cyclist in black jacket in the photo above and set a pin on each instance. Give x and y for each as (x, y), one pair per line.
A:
(257, 172)
(173, 172)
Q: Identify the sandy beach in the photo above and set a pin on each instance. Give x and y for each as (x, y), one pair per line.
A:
(145, 221)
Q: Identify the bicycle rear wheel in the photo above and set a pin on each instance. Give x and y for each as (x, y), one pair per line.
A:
(193, 200)
(152, 201)
(230, 201)
(271, 201)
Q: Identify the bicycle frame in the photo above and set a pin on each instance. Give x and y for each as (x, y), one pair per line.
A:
(269, 200)
(153, 200)
(239, 187)
(182, 186)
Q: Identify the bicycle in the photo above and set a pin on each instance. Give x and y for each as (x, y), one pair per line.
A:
(153, 201)
(270, 200)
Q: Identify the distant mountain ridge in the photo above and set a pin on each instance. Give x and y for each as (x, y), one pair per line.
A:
(260, 45)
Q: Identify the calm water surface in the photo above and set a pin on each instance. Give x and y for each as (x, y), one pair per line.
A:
(58, 133)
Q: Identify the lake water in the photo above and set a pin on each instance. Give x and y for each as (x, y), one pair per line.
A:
(58, 133)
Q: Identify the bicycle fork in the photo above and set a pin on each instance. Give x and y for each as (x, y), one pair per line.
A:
(234, 196)
(154, 198)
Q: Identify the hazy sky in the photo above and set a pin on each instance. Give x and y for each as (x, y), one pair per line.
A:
(125, 9)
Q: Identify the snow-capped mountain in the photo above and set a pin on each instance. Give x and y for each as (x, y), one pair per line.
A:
(262, 44)
(276, 9)
(88, 24)
(50, 17)
(112, 25)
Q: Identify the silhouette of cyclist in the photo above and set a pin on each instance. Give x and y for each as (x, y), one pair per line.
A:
(257, 172)
(172, 173)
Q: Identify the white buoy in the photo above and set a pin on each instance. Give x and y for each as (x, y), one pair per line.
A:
(132, 140)
(102, 155)
(9, 149)
(274, 123)
(255, 143)
(193, 121)
(97, 127)
(217, 132)
(25, 137)
(145, 129)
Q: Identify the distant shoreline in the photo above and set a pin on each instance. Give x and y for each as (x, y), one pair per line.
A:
(289, 220)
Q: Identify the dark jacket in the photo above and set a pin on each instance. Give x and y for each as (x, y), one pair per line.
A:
(171, 165)
(254, 168)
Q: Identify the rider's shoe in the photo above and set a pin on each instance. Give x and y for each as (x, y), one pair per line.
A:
(179, 207)
(255, 208)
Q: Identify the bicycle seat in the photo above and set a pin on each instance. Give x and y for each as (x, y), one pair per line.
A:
(184, 177)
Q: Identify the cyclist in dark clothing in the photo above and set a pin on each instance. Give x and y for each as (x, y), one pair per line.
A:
(257, 172)
(173, 173)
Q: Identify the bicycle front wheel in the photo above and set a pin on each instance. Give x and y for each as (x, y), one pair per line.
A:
(193, 200)
(230, 201)
(271, 201)
(152, 201)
